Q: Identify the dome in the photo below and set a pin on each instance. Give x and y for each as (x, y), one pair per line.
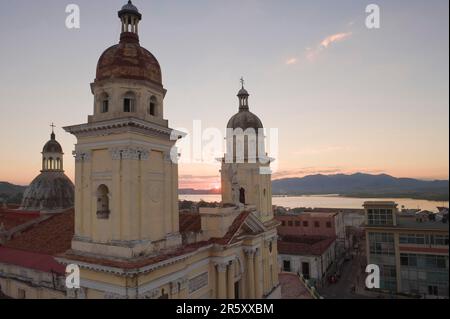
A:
(128, 60)
(52, 146)
(49, 191)
(245, 120)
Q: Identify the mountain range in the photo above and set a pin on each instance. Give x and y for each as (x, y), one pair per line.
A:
(362, 185)
(355, 185)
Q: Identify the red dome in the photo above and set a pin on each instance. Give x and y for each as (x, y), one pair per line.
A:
(128, 60)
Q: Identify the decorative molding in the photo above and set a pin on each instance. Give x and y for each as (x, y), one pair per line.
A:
(82, 156)
(133, 153)
(221, 267)
(250, 251)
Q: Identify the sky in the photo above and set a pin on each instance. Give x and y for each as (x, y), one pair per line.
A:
(343, 97)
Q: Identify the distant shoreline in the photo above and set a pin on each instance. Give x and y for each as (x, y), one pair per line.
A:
(431, 198)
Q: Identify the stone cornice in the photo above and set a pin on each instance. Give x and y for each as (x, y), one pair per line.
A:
(128, 123)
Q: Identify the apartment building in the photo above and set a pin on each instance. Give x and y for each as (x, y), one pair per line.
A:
(410, 249)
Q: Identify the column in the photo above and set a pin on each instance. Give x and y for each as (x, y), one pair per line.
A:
(258, 292)
(221, 281)
(230, 286)
(250, 274)
(183, 292)
(174, 289)
(274, 263)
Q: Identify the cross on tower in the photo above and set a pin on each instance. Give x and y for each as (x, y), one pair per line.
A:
(53, 127)
(242, 82)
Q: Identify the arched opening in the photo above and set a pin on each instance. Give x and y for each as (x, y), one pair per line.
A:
(242, 196)
(129, 102)
(50, 163)
(104, 100)
(152, 108)
(103, 202)
(58, 163)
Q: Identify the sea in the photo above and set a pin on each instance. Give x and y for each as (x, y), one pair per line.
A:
(331, 201)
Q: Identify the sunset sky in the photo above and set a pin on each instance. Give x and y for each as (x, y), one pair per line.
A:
(344, 98)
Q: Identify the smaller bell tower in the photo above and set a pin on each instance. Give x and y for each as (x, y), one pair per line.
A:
(245, 172)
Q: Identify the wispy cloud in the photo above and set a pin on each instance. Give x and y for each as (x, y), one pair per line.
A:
(321, 150)
(311, 53)
(291, 61)
(334, 38)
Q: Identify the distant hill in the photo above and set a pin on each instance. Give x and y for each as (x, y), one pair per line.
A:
(11, 193)
(362, 185)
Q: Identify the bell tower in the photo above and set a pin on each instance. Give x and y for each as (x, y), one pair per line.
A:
(126, 194)
(245, 172)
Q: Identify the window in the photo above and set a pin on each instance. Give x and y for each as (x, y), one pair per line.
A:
(316, 224)
(105, 106)
(328, 224)
(198, 282)
(283, 223)
(21, 294)
(287, 265)
(380, 216)
(297, 223)
(129, 103)
(381, 244)
(290, 224)
(152, 107)
(103, 202)
(305, 223)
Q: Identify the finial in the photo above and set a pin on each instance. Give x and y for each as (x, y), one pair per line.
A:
(242, 81)
(53, 131)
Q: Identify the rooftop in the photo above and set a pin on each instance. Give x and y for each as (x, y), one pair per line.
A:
(304, 245)
(292, 287)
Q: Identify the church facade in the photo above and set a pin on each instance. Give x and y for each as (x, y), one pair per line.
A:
(126, 233)
(128, 242)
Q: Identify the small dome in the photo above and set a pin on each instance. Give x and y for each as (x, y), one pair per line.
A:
(243, 92)
(49, 191)
(129, 8)
(52, 146)
(245, 120)
(128, 60)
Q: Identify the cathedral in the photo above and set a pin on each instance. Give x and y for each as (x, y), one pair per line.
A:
(52, 190)
(129, 238)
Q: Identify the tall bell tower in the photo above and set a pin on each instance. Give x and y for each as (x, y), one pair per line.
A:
(245, 173)
(126, 194)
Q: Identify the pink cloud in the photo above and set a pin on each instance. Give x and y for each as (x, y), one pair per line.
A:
(335, 38)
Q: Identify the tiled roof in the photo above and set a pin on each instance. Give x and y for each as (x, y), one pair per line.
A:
(190, 222)
(51, 237)
(304, 245)
(31, 260)
(292, 287)
(233, 229)
(133, 263)
(13, 218)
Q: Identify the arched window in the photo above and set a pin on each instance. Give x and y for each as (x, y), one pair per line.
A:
(103, 202)
(242, 196)
(50, 163)
(153, 105)
(129, 102)
(104, 100)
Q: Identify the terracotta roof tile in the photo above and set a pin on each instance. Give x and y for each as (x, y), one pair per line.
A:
(13, 218)
(304, 245)
(190, 222)
(51, 237)
(31, 260)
